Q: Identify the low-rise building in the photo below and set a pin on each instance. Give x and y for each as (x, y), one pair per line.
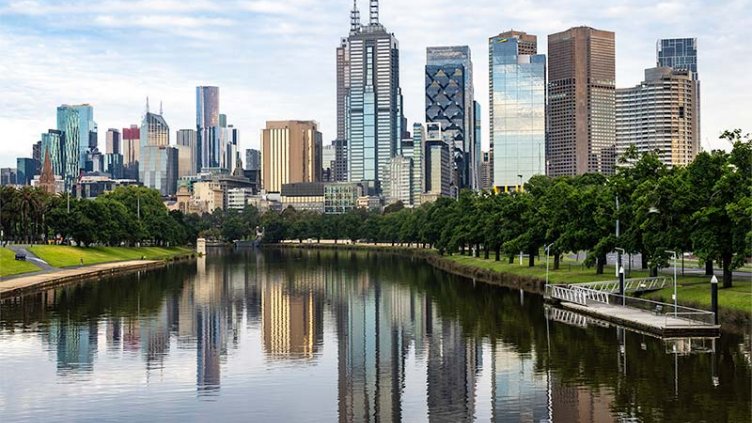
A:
(341, 197)
(303, 196)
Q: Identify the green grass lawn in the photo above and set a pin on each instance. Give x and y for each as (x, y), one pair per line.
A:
(696, 291)
(9, 266)
(692, 289)
(65, 256)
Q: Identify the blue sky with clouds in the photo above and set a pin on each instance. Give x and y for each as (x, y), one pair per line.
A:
(275, 59)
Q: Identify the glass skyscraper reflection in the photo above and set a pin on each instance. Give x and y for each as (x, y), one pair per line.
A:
(517, 87)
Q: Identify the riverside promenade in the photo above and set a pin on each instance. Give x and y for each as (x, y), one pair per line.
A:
(15, 286)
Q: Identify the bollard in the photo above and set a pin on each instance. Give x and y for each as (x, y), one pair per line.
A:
(714, 298)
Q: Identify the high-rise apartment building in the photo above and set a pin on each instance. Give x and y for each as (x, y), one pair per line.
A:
(418, 184)
(207, 126)
(373, 101)
(112, 143)
(186, 141)
(252, 159)
(660, 115)
(328, 157)
(290, 152)
(398, 181)
(582, 104)
(450, 102)
(36, 154)
(678, 53)
(158, 162)
(437, 167)
(77, 122)
(517, 100)
(131, 145)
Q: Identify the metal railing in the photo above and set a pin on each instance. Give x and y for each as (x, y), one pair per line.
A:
(630, 285)
(576, 294)
(674, 316)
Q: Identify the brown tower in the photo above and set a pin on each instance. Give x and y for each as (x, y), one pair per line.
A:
(582, 103)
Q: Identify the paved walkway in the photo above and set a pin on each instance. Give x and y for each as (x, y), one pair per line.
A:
(31, 257)
(41, 280)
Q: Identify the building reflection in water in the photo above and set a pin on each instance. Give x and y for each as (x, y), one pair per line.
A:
(379, 322)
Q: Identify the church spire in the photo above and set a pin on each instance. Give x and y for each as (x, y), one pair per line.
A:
(47, 178)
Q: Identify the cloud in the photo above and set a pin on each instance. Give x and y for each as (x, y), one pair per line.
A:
(275, 59)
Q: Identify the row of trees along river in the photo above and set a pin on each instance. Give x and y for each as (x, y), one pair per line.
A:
(705, 208)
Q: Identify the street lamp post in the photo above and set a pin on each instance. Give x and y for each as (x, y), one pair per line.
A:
(673, 254)
(548, 249)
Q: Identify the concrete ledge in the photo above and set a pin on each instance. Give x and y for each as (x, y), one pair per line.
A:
(24, 285)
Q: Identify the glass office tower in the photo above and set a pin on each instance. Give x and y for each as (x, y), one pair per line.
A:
(54, 142)
(77, 122)
(207, 127)
(373, 104)
(158, 162)
(678, 53)
(518, 110)
(450, 102)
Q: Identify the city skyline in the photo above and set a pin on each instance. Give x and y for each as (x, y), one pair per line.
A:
(257, 87)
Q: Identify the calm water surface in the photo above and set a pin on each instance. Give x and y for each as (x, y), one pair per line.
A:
(326, 336)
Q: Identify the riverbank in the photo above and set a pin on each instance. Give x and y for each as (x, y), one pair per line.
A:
(734, 312)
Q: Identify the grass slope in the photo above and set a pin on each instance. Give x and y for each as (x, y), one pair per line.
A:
(691, 289)
(9, 266)
(65, 256)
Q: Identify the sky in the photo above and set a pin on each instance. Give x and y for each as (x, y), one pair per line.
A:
(275, 59)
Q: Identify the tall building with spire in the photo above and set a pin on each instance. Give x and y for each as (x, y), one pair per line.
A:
(158, 162)
(370, 95)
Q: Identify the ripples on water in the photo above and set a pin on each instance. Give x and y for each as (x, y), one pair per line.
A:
(325, 336)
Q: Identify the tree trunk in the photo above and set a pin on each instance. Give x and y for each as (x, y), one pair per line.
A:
(531, 259)
(643, 260)
(708, 267)
(557, 261)
(601, 263)
(511, 259)
(728, 275)
(477, 250)
(497, 251)
(485, 251)
(654, 272)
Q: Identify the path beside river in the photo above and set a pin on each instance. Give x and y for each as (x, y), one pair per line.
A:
(20, 285)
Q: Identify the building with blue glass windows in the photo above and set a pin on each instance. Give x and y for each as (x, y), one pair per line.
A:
(678, 53)
(517, 90)
(77, 122)
(25, 170)
(450, 102)
(158, 162)
(53, 142)
(373, 98)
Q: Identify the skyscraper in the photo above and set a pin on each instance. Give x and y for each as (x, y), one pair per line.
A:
(582, 104)
(418, 184)
(77, 122)
(373, 103)
(53, 147)
(252, 159)
(113, 141)
(678, 53)
(437, 165)
(517, 99)
(131, 151)
(36, 154)
(187, 141)
(486, 171)
(207, 126)
(450, 102)
(290, 152)
(25, 170)
(158, 162)
(660, 115)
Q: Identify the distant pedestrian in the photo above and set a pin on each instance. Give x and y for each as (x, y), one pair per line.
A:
(82, 261)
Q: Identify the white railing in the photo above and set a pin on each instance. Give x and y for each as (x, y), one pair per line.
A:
(630, 285)
(576, 294)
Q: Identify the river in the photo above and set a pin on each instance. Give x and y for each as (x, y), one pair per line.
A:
(307, 335)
